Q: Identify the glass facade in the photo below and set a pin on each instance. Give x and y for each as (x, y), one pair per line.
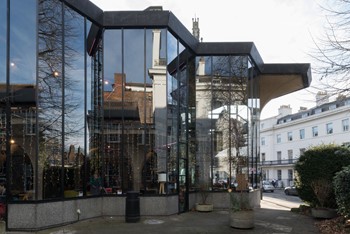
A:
(141, 112)
(96, 104)
(144, 114)
(227, 110)
(44, 98)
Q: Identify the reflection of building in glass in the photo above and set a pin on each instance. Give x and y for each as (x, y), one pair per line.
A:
(223, 112)
(180, 110)
(128, 108)
(21, 136)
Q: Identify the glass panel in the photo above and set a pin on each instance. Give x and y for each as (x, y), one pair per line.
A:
(206, 136)
(155, 172)
(3, 46)
(191, 125)
(136, 141)
(74, 117)
(50, 82)
(89, 90)
(253, 103)
(171, 163)
(3, 25)
(95, 116)
(154, 96)
(22, 86)
(115, 166)
(222, 119)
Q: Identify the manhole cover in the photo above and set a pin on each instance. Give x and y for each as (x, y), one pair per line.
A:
(153, 221)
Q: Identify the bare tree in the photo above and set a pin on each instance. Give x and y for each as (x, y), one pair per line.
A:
(332, 52)
(59, 100)
(54, 36)
(229, 90)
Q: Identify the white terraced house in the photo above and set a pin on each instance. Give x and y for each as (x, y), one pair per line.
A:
(283, 138)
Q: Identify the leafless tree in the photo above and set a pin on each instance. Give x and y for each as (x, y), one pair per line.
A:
(229, 90)
(332, 51)
(55, 36)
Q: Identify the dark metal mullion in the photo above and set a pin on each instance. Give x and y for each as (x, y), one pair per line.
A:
(256, 125)
(252, 132)
(211, 121)
(8, 109)
(178, 116)
(167, 154)
(123, 121)
(63, 97)
(230, 123)
(102, 117)
(85, 110)
(36, 162)
(187, 133)
(144, 174)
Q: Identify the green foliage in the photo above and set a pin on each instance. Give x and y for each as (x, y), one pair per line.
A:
(320, 162)
(342, 191)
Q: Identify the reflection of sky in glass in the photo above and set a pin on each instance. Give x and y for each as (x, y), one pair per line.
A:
(2, 41)
(172, 53)
(172, 47)
(112, 56)
(134, 55)
(75, 76)
(149, 50)
(23, 41)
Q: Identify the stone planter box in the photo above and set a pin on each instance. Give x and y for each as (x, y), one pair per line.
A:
(204, 207)
(243, 219)
(323, 213)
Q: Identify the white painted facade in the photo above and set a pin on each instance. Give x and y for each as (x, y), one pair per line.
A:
(283, 138)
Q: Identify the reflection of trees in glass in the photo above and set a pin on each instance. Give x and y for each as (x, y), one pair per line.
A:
(229, 81)
(50, 61)
(58, 102)
(229, 93)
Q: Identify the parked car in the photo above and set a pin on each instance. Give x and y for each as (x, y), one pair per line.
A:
(267, 186)
(291, 190)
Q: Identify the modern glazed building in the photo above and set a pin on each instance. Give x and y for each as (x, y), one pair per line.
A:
(96, 104)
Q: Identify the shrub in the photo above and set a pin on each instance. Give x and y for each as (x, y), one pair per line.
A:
(342, 191)
(320, 162)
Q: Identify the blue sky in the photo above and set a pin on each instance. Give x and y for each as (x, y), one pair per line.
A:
(282, 30)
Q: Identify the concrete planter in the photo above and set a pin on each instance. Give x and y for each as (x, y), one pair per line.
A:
(323, 213)
(243, 219)
(204, 207)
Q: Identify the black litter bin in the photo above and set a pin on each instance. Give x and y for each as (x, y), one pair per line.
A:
(132, 207)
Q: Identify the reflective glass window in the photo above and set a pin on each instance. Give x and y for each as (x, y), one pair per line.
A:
(3, 62)
(50, 99)
(113, 166)
(224, 107)
(74, 103)
(3, 27)
(172, 119)
(23, 103)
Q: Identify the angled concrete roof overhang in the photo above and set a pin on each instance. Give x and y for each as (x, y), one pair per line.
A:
(275, 79)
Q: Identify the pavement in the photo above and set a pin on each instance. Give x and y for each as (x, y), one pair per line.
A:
(270, 218)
